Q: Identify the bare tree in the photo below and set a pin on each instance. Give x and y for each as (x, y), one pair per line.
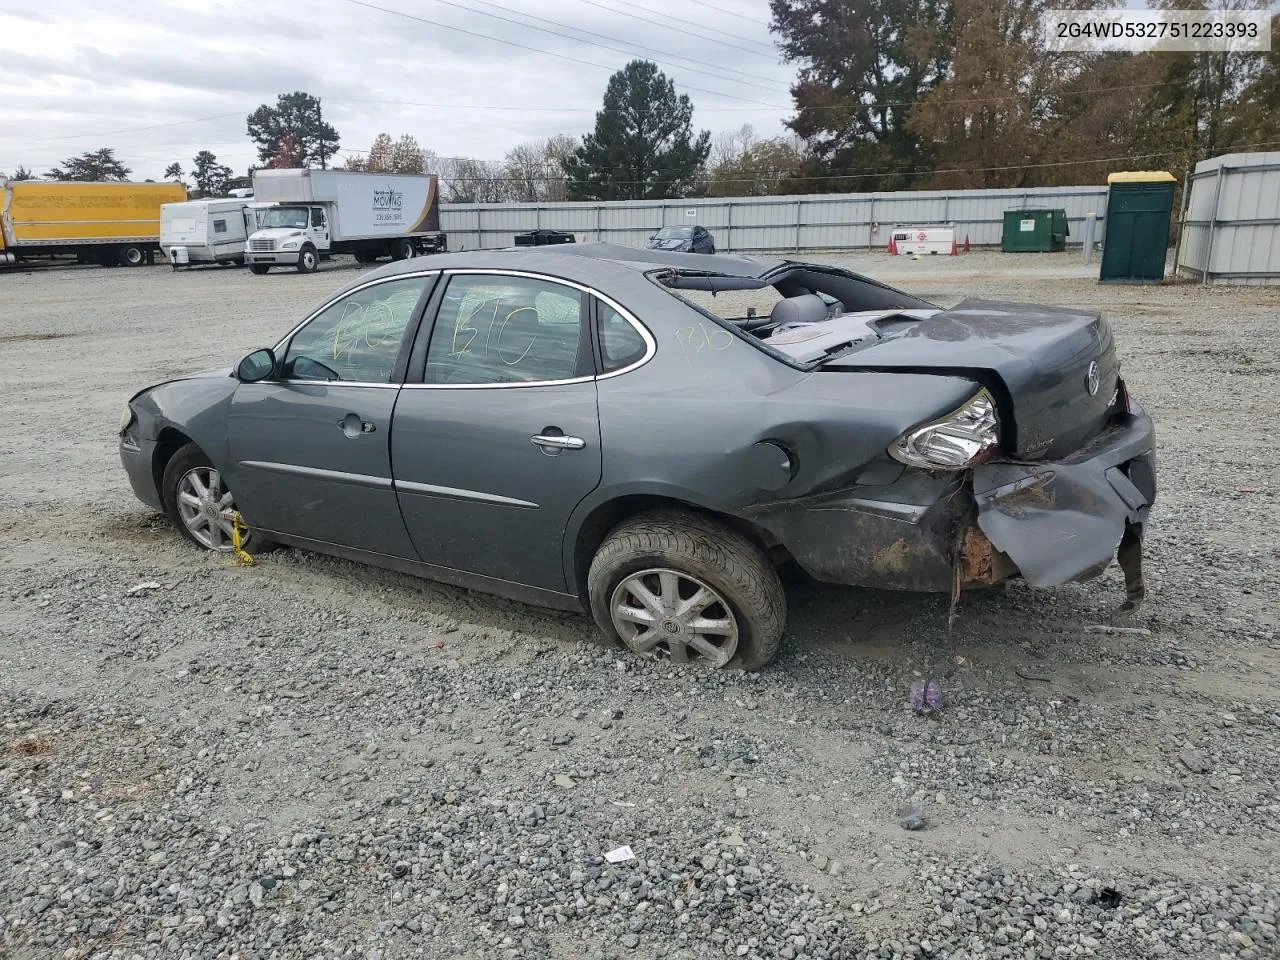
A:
(535, 169)
(556, 151)
(729, 146)
(474, 181)
(764, 168)
(526, 172)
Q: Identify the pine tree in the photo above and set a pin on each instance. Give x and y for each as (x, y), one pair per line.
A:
(643, 146)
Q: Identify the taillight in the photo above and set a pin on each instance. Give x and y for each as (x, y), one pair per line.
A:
(959, 440)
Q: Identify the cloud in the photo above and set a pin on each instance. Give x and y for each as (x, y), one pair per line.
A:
(81, 74)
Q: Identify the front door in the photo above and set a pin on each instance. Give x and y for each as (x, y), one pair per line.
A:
(319, 228)
(501, 439)
(310, 449)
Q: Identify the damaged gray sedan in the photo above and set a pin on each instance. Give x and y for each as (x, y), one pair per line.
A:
(575, 427)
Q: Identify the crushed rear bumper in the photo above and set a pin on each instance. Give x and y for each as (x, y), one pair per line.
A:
(1050, 522)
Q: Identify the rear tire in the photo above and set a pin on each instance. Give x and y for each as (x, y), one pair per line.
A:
(132, 256)
(308, 260)
(403, 250)
(187, 471)
(702, 563)
(259, 268)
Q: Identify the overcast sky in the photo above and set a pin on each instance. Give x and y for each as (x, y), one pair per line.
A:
(83, 74)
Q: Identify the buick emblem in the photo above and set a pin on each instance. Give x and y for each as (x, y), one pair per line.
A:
(1092, 379)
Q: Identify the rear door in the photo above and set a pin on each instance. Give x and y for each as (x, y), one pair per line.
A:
(501, 438)
(311, 449)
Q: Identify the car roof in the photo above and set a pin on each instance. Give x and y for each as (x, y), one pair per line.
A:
(587, 263)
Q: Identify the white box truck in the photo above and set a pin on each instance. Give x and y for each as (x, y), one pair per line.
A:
(314, 214)
(206, 231)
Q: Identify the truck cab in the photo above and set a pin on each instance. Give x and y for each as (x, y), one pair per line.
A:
(289, 234)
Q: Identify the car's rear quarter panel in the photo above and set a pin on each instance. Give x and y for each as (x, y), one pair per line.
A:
(686, 425)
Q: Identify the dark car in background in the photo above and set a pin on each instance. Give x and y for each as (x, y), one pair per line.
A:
(568, 426)
(691, 239)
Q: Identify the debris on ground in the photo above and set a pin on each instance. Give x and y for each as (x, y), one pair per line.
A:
(912, 818)
(926, 696)
(1117, 631)
(1194, 761)
(620, 855)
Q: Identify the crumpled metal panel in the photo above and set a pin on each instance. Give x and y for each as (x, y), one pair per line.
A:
(1062, 521)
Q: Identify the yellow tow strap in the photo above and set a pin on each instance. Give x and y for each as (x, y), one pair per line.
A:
(241, 557)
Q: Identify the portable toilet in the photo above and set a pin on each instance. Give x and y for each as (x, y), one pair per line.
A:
(1136, 242)
(1034, 231)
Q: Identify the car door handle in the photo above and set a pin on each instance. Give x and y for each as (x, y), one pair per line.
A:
(353, 426)
(553, 442)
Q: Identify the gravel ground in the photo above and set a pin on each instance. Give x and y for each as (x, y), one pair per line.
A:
(313, 759)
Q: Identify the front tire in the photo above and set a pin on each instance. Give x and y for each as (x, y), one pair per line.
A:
(199, 504)
(308, 260)
(681, 586)
(132, 256)
(259, 268)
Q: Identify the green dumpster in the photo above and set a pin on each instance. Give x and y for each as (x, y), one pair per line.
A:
(1136, 242)
(1034, 231)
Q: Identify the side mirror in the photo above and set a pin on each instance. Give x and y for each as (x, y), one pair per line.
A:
(256, 366)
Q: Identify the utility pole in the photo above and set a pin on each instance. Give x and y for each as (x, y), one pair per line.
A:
(320, 132)
(319, 123)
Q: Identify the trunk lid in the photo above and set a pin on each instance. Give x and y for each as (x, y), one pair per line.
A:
(1054, 368)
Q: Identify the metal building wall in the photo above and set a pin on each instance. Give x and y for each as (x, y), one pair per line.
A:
(772, 224)
(1231, 228)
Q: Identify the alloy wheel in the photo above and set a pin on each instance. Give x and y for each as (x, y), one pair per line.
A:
(671, 615)
(207, 508)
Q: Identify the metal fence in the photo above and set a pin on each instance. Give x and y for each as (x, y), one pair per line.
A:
(1231, 223)
(773, 224)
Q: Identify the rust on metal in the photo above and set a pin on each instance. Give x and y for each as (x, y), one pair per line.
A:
(979, 562)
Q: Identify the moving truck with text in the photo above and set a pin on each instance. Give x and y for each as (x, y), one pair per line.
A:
(106, 223)
(314, 214)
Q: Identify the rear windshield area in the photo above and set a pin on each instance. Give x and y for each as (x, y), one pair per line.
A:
(800, 313)
(839, 290)
(733, 304)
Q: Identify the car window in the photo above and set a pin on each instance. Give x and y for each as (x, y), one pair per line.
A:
(219, 226)
(357, 338)
(734, 304)
(317, 217)
(620, 343)
(494, 329)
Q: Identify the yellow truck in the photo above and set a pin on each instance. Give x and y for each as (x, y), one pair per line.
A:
(106, 223)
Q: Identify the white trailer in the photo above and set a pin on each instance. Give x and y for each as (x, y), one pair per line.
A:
(206, 231)
(314, 214)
